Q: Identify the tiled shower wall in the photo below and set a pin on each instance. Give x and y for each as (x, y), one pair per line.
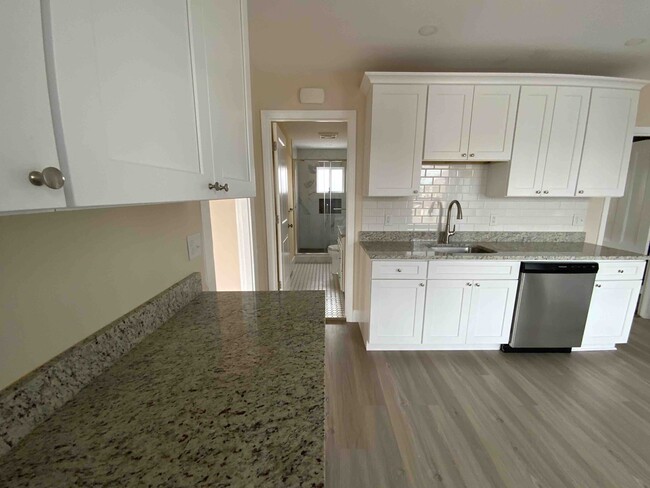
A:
(442, 183)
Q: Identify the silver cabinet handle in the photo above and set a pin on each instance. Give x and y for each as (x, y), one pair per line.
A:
(538, 192)
(468, 284)
(464, 155)
(581, 191)
(50, 177)
(545, 192)
(598, 286)
(421, 284)
(290, 226)
(218, 187)
(621, 271)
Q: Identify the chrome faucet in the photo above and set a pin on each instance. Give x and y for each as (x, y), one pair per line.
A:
(459, 216)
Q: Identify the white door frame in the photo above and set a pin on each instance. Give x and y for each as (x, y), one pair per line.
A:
(348, 116)
(245, 236)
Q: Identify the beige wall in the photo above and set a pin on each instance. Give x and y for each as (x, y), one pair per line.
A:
(225, 241)
(64, 275)
(277, 91)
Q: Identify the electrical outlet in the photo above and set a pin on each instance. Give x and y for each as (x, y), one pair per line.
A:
(494, 220)
(387, 220)
(578, 220)
(194, 246)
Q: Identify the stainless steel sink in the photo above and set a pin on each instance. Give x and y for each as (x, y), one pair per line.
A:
(459, 249)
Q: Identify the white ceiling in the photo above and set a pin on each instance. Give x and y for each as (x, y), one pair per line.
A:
(304, 135)
(563, 36)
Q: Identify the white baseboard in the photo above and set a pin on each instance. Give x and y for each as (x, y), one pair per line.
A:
(594, 348)
(432, 347)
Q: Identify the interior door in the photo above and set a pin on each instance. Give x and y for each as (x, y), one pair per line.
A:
(282, 153)
(134, 123)
(26, 132)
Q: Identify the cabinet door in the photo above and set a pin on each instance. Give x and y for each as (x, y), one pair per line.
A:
(494, 111)
(149, 104)
(396, 127)
(532, 133)
(220, 33)
(449, 113)
(446, 311)
(491, 309)
(608, 142)
(611, 312)
(565, 142)
(26, 132)
(396, 311)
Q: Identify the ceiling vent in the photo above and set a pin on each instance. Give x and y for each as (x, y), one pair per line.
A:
(328, 136)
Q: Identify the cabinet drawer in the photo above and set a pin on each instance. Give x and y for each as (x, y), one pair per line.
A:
(474, 270)
(399, 270)
(620, 270)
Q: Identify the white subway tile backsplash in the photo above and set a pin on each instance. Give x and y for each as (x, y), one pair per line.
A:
(441, 183)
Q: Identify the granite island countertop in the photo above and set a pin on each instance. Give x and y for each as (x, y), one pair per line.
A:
(229, 392)
(516, 251)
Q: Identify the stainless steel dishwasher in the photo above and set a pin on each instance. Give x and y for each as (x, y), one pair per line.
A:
(552, 305)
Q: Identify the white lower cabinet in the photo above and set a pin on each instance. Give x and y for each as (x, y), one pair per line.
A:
(396, 311)
(490, 311)
(611, 312)
(460, 312)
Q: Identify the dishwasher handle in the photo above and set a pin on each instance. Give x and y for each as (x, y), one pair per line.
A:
(559, 268)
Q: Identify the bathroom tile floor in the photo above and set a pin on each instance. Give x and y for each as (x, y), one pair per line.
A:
(317, 276)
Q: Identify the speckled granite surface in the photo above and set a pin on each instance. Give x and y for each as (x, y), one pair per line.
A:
(228, 393)
(517, 251)
(32, 399)
(465, 236)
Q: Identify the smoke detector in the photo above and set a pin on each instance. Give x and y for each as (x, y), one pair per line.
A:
(328, 136)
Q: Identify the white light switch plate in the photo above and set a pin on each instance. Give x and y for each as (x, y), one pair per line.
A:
(494, 220)
(194, 246)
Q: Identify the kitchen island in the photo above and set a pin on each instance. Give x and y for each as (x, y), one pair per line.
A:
(229, 392)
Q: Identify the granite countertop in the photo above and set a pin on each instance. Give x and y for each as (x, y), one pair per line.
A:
(229, 392)
(518, 251)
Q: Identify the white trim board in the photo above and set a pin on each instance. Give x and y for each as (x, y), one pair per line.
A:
(243, 215)
(348, 116)
(642, 131)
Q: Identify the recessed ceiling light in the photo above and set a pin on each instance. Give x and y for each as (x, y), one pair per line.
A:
(635, 41)
(427, 30)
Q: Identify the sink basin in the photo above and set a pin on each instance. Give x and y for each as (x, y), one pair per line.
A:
(442, 248)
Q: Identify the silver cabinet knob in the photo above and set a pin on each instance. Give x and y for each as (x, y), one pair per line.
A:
(290, 226)
(399, 270)
(218, 187)
(471, 155)
(50, 177)
(464, 155)
(598, 286)
(621, 271)
(421, 284)
(538, 191)
(416, 191)
(468, 284)
(477, 284)
(545, 192)
(581, 192)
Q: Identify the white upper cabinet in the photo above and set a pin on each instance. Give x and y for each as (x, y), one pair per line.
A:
(26, 134)
(547, 148)
(608, 142)
(449, 114)
(467, 122)
(394, 138)
(153, 101)
(494, 110)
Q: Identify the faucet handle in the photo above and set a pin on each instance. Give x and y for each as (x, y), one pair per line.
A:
(452, 231)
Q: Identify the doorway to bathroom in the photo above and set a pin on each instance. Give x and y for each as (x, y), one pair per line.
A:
(310, 171)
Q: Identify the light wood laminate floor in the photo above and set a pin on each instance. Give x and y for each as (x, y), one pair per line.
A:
(487, 419)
